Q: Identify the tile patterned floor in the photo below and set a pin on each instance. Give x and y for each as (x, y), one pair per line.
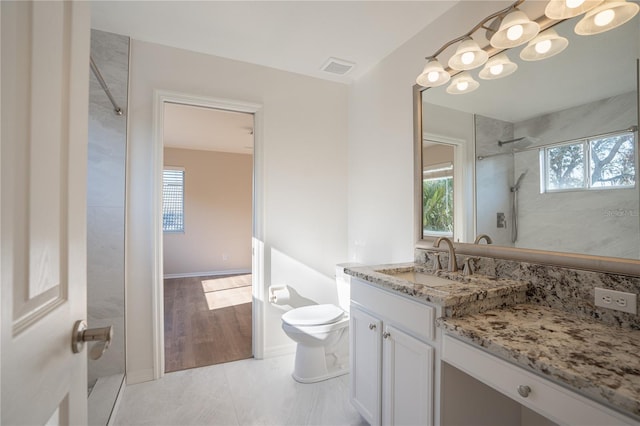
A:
(247, 392)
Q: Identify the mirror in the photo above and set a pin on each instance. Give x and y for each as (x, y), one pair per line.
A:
(562, 181)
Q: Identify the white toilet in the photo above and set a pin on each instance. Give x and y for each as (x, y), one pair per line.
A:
(322, 336)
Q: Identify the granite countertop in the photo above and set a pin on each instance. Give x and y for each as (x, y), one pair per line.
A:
(600, 361)
(458, 295)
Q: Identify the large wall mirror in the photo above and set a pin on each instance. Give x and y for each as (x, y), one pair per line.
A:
(551, 150)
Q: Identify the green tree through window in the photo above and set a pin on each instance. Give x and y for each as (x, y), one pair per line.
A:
(437, 209)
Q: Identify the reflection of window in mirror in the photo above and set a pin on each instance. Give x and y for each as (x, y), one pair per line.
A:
(592, 163)
(437, 189)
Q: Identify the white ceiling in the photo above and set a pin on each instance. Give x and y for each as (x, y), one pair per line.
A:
(207, 129)
(295, 36)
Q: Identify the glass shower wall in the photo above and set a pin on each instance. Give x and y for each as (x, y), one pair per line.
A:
(106, 218)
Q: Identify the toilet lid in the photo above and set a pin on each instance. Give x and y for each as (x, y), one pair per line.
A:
(313, 315)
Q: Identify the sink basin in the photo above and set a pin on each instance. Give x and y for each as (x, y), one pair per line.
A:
(417, 277)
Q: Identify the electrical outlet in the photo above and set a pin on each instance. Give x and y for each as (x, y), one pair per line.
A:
(617, 300)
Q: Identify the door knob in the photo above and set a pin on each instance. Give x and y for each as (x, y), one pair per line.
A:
(81, 334)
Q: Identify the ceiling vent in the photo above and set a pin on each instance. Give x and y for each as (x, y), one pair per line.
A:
(337, 66)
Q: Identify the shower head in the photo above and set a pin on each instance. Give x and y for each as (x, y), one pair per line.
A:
(519, 143)
(516, 187)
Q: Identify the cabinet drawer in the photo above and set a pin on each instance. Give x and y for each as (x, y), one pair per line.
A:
(414, 317)
(547, 398)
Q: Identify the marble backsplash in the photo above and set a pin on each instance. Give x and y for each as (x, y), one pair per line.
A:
(566, 289)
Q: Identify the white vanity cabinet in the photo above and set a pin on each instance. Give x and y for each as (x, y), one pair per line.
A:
(392, 360)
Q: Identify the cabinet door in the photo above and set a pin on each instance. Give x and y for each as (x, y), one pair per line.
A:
(365, 346)
(407, 378)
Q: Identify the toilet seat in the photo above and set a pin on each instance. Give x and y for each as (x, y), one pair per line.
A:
(313, 315)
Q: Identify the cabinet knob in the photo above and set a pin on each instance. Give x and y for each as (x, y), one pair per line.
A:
(386, 334)
(372, 326)
(524, 390)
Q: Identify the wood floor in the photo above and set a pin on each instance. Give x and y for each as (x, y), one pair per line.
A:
(207, 320)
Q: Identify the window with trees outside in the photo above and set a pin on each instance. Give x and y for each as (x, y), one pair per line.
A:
(597, 163)
(437, 198)
(173, 200)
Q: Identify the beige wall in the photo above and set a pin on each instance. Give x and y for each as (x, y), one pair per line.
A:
(437, 154)
(217, 213)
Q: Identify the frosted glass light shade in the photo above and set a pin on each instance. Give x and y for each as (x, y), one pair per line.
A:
(462, 83)
(433, 75)
(545, 45)
(468, 56)
(564, 9)
(497, 67)
(515, 29)
(609, 15)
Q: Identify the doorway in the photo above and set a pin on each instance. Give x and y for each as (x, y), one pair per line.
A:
(207, 218)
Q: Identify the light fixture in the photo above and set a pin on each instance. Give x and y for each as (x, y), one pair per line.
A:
(565, 9)
(433, 74)
(468, 56)
(609, 15)
(497, 67)
(545, 45)
(515, 29)
(462, 83)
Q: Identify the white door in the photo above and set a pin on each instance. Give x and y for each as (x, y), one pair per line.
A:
(365, 348)
(44, 74)
(407, 378)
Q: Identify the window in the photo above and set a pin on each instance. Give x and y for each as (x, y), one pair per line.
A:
(437, 198)
(596, 163)
(173, 200)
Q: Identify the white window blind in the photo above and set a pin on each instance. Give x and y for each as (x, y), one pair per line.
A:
(173, 200)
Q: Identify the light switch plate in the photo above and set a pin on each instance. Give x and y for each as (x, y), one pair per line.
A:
(617, 300)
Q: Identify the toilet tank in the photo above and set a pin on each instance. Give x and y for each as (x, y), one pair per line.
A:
(343, 285)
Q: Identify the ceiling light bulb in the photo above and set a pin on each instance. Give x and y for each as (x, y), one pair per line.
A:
(515, 32)
(462, 85)
(496, 69)
(565, 9)
(543, 47)
(604, 18)
(467, 57)
(498, 66)
(608, 15)
(433, 76)
(572, 4)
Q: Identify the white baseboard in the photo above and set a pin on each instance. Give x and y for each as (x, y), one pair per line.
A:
(139, 376)
(208, 273)
(273, 351)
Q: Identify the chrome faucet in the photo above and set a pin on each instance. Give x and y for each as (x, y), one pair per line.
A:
(483, 237)
(453, 265)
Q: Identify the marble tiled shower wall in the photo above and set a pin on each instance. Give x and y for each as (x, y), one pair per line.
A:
(598, 222)
(106, 199)
(560, 288)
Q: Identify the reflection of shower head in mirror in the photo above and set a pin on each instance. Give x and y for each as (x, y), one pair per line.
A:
(516, 187)
(519, 143)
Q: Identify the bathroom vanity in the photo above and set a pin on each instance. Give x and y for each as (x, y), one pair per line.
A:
(456, 349)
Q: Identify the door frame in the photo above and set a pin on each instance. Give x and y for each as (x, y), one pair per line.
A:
(257, 281)
(463, 201)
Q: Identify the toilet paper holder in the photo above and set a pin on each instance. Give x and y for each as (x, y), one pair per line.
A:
(279, 295)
